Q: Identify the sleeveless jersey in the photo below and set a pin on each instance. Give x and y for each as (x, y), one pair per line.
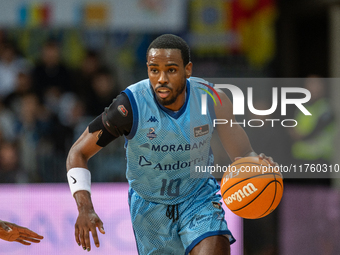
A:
(164, 147)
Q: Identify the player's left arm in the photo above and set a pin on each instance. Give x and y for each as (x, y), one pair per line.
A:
(233, 138)
(12, 232)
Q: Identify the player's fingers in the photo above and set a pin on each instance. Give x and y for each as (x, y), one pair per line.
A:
(28, 232)
(101, 227)
(82, 238)
(237, 158)
(272, 162)
(76, 235)
(270, 159)
(87, 239)
(95, 236)
(30, 239)
(5, 227)
(262, 156)
(19, 240)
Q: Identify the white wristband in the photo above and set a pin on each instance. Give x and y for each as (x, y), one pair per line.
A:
(79, 179)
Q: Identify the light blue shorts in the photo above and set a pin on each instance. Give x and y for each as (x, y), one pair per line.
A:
(199, 217)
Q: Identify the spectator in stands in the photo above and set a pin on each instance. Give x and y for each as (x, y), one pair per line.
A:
(7, 124)
(10, 171)
(10, 65)
(51, 78)
(23, 87)
(43, 140)
(104, 87)
(89, 66)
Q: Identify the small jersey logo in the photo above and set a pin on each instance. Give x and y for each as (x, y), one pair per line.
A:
(216, 205)
(151, 135)
(199, 219)
(144, 162)
(145, 145)
(201, 130)
(122, 110)
(153, 119)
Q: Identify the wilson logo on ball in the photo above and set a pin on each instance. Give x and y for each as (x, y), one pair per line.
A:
(252, 194)
(246, 191)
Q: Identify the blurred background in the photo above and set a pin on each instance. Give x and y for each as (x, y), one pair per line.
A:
(62, 62)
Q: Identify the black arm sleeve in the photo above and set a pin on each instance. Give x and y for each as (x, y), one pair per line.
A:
(115, 121)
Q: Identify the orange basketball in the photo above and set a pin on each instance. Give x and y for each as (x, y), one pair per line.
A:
(251, 188)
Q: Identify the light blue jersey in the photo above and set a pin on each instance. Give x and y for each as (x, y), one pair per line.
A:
(172, 207)
(164, 147)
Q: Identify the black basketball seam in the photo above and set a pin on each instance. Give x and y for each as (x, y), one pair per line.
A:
(272, 201)
(256, 196)
(245, 180)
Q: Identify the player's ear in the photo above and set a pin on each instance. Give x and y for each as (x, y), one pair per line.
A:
(188, 70)
(147, 67)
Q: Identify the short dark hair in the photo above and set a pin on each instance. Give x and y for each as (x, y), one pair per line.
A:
(170, 41)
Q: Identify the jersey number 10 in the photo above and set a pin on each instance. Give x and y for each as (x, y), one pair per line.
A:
(169, 188)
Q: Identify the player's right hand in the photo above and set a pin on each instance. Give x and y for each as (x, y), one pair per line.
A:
(88, 221)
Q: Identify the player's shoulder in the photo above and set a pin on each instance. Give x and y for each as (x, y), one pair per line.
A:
(199, 82)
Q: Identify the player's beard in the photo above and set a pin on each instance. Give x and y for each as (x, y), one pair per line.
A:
(173, 98)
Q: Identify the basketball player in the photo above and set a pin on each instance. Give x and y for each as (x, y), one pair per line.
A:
(12, 232)
(173, 209)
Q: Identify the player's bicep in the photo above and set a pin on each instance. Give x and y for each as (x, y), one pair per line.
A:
(83, 149)
(88, 143)
(232, 136)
